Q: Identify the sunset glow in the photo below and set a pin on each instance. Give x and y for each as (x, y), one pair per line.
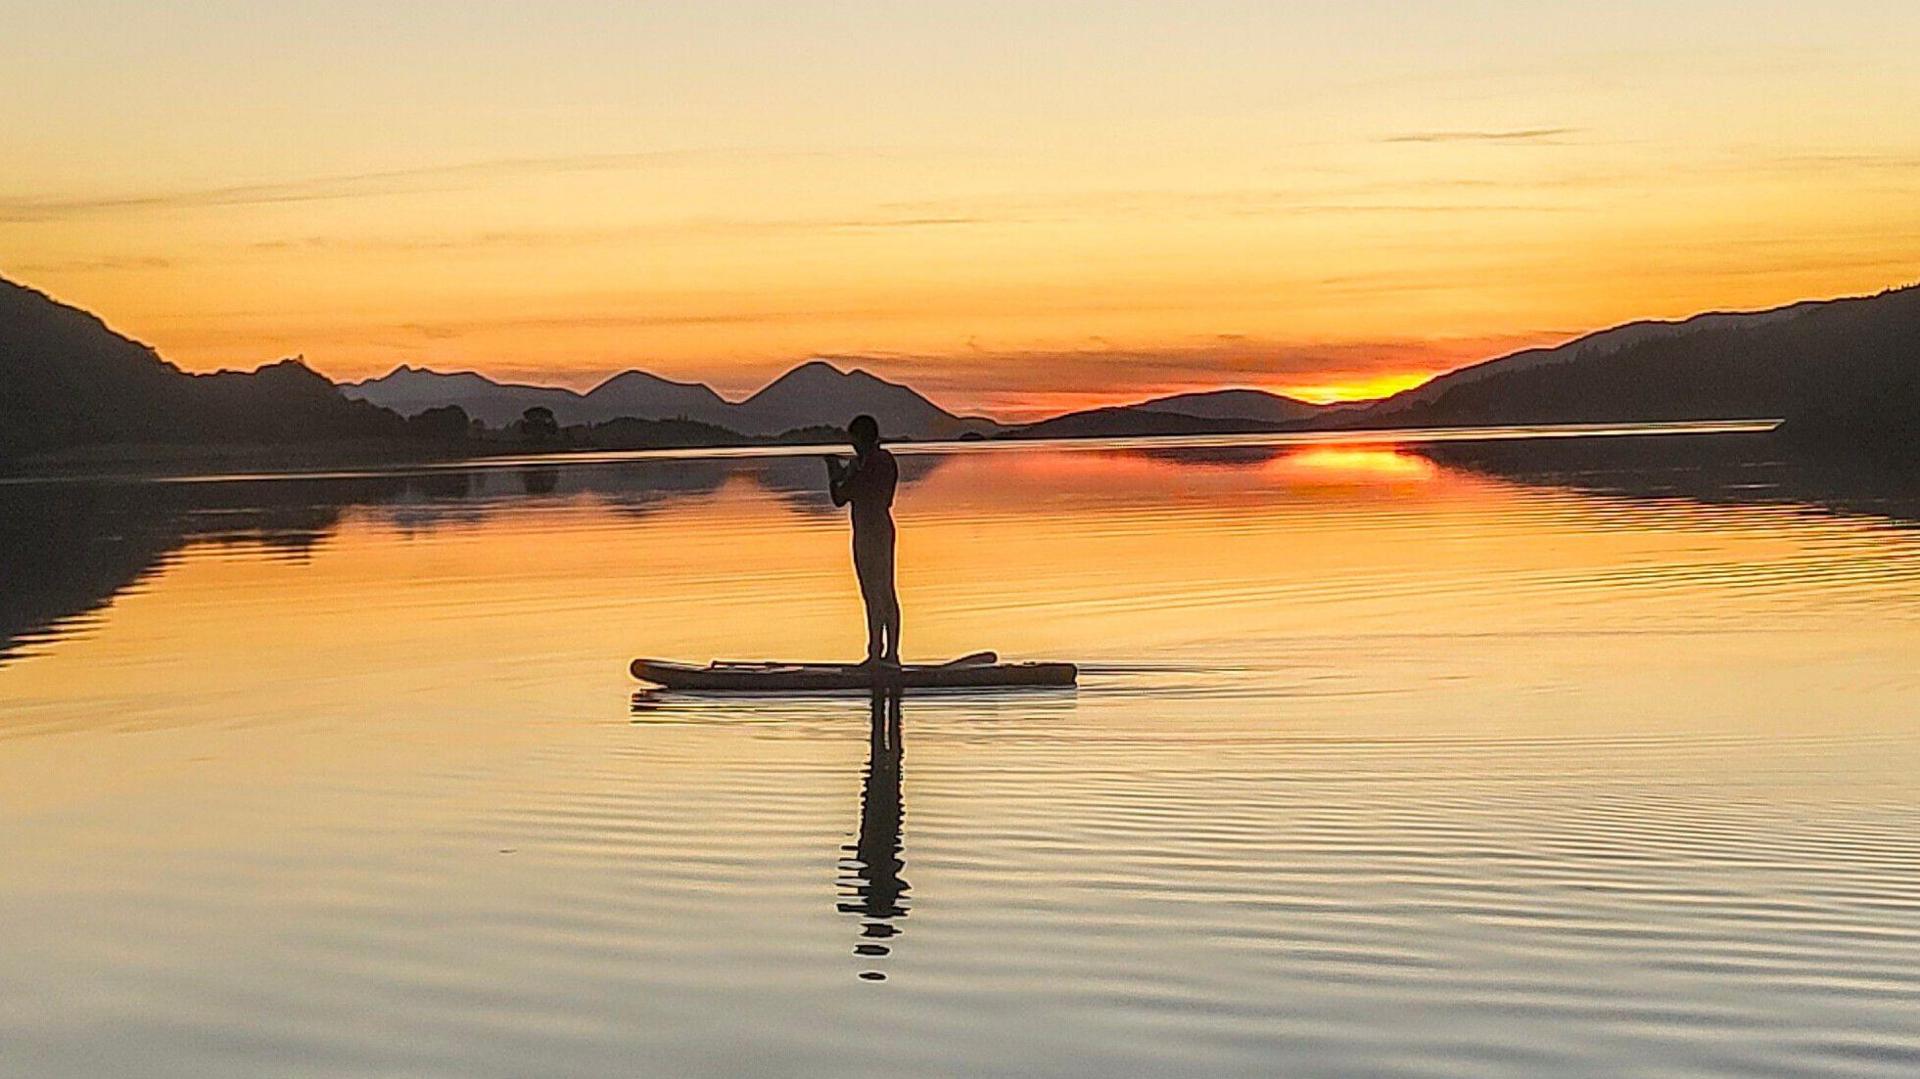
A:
(1016, 208)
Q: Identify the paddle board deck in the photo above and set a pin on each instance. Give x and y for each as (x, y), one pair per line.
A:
(982, 670)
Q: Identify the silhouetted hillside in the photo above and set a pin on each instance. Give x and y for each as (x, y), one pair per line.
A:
(818, 393)
(1869, 402)
(628, 433)
(67, 380)
(1214, 412)
(628, 395)
(1843, 372)
(1236, 404)
(812, 394)
(1835, 358)
(411, 390)
(1586, 347)
(648, 396)
(1881, 422)
(1131, 421)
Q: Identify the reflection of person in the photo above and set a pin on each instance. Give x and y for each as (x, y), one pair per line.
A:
(867, 482)
(872, 873)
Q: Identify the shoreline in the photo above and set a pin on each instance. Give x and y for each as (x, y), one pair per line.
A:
(171, 463)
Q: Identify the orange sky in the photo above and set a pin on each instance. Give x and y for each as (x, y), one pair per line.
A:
(1017, 208)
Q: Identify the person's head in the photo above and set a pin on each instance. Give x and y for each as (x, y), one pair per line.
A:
(864, 432)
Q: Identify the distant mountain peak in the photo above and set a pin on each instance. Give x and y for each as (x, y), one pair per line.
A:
(407, 373)
(1236, 403)
(816, 392)
(634, 374)
(812, 371)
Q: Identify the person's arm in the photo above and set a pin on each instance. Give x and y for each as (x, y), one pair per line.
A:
(840, 479)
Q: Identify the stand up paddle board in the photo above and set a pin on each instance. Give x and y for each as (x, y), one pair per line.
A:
(980, 670)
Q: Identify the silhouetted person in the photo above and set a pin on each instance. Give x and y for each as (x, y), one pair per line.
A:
(867, 482)
(879, 894)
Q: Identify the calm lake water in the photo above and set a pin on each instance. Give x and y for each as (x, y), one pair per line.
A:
(1519, 758)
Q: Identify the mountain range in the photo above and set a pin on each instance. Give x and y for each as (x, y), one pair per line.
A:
(1841, 357)
(813, 394)
(1848, 367)
(1842, 372)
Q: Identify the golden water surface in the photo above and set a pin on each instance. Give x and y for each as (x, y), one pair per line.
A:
(1519, 757)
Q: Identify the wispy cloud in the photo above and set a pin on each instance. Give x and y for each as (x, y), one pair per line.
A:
(1534, 135)
(352, 185)
(694, 228)
(109, 264)
(268, 330)
(1354, 200)
(1842, 162)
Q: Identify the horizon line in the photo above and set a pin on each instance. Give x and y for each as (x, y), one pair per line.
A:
(828, 360)
(833, 360)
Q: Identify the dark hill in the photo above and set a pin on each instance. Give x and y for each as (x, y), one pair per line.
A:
(410, 390)
(819, 393)
(1131, 421)
(628, 395)
(628, 433)
(1835, 356)
(1214, 412)
(1237, 404)
(648, 396)
(67, 380)
(811, 394)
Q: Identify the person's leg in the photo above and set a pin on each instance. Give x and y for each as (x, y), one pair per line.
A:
(876, 624)
(876, 630)
(873, 564)
(890, 617)
(870, 596)
(889, 600)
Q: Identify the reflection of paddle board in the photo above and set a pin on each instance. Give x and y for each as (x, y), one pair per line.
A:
(981, 670)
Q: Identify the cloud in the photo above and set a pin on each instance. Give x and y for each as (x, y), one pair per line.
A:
(1539, 136)
(608, 322)
(506, 239)
(265, 328)
(109, 264)
(1843, 162)
(1343, 196)
(1372, 197)
(430, 331)
(1351, 200)
(352, 185)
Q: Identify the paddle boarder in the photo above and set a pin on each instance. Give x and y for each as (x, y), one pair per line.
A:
(867, 483)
